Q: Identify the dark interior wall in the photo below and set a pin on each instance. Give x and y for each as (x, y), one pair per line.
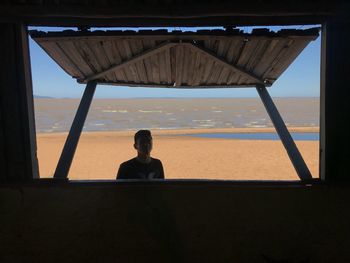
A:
(174, 223)
(17, 127)
(335, 96)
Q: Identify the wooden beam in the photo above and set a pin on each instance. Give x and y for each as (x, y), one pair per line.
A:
(169, 10)
(222, 61)
(70, 146)
(143, 55)
(287, 140)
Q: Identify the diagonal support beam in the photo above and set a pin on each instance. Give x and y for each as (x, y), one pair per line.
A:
(70, 146)
(141, 56)
(223, 62)
(287, 140)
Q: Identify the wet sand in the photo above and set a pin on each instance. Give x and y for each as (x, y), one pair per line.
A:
(184, 157)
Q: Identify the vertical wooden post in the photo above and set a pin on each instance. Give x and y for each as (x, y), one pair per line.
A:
(335, 98)
(287, 140)
(70, 146)
(18, 159)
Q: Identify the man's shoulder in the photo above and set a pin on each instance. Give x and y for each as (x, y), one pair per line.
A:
(157, 161)
(128, 162)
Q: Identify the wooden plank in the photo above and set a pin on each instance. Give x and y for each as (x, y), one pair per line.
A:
(277, 57)
(155, 68)
(148, 44)
(223, 50)
(173, 63)
(168, 66)
(202, 66)
(191, 66)
(287, 59)
(195, 77)
(120, 47)
(247, 53)
(162, 67)
(136, 49)
(71, 143)
(232, 78)
(222, 62)
(207, 70)
(184, 64)
(99, 58)
(257, 55)
(273, 46)
(179, 59)
(60, 58)
(132, 60)
(131, 66)
(139, 45)
(114, 58)
(287, 140)
(72, 52)
(104, 58)
(216, 73)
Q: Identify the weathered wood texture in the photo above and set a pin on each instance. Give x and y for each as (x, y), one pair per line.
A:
(176, 59)
(167, 12)
(18, 159)
(335, 94)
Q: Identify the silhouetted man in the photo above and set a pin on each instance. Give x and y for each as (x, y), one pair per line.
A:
(143, 166)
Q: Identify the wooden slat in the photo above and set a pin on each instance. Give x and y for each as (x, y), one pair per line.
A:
(137, 50)
(272, 47)
(85, 52)
(257, 55)
(155, 68)
(162, 67)
(139, 45)
(99, 54)
(207, 71)
(195, 77)
(225, 63)
(281, 53)
(108, 54)
(148, 44)
(168, 66)
(115, 58)
(247, 54)
(61, 59)
(184, 64)
(122, 52)
(201, 69)
(179, 59)
(129, 63)
(287, 59)
(173, 63)
(131, 66)
(72, 52)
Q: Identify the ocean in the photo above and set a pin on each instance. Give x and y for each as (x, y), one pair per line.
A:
(56, 115)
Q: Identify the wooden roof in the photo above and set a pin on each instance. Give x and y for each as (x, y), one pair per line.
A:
(138, 13)
(159, 58)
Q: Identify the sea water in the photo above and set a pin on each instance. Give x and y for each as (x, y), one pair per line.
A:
(56, 115)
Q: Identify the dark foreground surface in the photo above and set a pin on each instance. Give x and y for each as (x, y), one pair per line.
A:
(174, 221)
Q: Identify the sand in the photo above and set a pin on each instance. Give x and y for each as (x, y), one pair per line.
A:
(99, 155)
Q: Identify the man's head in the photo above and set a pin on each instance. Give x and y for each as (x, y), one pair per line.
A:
(143, 142)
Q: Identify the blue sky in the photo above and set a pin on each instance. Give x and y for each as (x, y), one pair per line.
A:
(301, 79)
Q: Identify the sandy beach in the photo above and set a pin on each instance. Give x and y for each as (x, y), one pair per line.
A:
(99, 155)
